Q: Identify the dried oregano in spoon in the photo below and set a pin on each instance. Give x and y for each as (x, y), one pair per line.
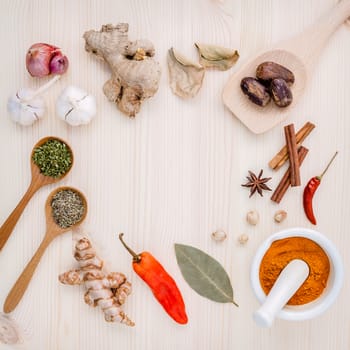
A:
(53, 158)
(67, 208)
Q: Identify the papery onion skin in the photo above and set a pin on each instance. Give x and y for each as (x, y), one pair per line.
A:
(45, 59)
(59, 64)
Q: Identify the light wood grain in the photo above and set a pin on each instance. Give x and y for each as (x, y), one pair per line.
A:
(172, 174)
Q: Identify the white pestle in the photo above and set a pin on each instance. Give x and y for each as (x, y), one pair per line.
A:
(287, 283)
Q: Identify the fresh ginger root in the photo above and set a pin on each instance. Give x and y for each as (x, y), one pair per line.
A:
(108, 291)
(135, 74)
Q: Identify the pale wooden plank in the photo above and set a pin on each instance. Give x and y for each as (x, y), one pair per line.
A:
(171, 175)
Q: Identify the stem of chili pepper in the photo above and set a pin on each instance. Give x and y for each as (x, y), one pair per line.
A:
(310, 190)
(328, 165)
(161, 283)
(135, 257)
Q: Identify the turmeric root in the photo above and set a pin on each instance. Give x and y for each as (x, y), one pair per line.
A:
(108, 291)
(135, 74)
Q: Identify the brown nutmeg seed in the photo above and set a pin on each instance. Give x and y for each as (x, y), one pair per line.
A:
(256, 92)
(267, 71)
(281, 93)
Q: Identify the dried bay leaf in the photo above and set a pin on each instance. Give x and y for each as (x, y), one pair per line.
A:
(212, 56)
(186, 76)
(204, 274)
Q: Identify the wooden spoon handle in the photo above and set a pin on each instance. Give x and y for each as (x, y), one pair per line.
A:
(17, 291)
(310, 42)
(8, 226)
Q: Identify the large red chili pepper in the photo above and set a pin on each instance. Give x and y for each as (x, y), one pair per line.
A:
(309, 192)
(161, 283)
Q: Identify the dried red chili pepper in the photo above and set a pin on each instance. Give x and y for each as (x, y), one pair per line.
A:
(161, 283)
(309, 192)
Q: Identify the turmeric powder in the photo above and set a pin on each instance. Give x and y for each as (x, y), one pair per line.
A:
(281, 252)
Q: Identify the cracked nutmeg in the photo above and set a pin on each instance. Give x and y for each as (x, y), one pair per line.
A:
(256, 92)
(257, 183)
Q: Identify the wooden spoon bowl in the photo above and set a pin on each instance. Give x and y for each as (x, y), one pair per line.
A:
(52, 231)
(37, 176)
(51, 226)
(38, 180)
(298, 54)
(260, 119)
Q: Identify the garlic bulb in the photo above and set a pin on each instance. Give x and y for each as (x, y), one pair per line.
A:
(24, 108)
(76, 106)
(9, 333)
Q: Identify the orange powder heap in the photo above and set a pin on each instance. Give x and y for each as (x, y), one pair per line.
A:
(281, 252)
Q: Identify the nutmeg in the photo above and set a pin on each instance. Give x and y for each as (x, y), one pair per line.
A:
(256, 92)
(267, 71)
(281, 93)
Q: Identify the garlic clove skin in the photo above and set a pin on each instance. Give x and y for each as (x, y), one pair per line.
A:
(76, 106)
(24, 110)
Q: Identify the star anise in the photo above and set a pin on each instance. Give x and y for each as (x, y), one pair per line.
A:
(257, 183)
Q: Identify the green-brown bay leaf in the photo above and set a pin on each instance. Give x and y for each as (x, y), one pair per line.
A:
(185, 76)
(212, 56)
(204, 274)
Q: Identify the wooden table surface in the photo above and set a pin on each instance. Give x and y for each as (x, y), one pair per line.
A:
(172, 174)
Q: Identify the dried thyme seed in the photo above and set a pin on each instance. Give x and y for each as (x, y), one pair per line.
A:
(67, 208)
(53, 158)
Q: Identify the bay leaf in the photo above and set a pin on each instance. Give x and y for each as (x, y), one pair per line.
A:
(185, 76)
(204, 274)
(212, 56)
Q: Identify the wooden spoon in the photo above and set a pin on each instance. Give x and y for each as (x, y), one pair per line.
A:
(298, 54)
(52, 231)
(38, 180)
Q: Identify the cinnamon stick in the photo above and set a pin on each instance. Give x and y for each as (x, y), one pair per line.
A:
(282, 156)
(282, 187)
(293, 155)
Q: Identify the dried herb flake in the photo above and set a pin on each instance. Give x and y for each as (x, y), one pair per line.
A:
(53, 158)
(67, 208)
